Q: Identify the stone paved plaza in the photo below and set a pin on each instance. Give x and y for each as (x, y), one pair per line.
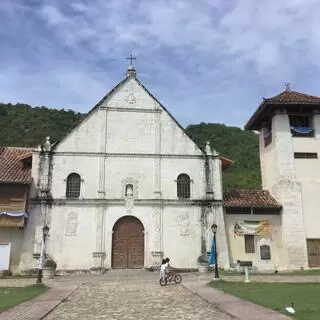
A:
(133, 295)
(136, 294)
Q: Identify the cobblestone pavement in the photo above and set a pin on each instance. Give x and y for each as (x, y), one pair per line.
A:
(133, 296)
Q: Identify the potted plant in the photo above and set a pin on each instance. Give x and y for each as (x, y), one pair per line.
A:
(49, 269)
(203, 264)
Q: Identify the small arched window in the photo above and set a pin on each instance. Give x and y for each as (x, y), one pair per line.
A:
(183, 186)
(73, 186)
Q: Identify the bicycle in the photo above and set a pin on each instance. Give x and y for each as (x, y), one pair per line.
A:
(172, 276)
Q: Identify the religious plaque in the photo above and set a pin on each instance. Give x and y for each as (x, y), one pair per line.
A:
(265, 253)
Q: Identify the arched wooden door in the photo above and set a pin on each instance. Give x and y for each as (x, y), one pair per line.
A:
(128, 244)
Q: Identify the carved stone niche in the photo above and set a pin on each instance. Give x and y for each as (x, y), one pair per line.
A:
(129, 187)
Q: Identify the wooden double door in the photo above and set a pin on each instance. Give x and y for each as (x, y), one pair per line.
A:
(128, 244)
(313, 247)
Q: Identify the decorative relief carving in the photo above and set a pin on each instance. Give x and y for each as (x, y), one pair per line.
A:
(131, 99)
(72, 224)
(129, 204)
(184, 223)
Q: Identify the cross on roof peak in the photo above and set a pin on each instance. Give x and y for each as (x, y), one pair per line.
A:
(131, 58)
(131, 70)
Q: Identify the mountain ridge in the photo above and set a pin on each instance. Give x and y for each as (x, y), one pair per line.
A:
(22, 125)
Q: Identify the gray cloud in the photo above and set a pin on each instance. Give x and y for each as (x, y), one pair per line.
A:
(192, 54)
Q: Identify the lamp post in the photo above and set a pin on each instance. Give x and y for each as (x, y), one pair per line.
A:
(214, 228)
(45, 232)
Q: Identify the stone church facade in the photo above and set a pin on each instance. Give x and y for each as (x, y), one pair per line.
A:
(125, 188)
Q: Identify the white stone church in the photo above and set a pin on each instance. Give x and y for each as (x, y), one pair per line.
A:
(127, 187)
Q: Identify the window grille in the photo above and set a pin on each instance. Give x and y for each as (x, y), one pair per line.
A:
(73, 186)
(249, 243)
(306, 155)
(183, 186)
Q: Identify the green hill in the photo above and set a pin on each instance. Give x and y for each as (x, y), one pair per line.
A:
(24, 126)
(238, 145)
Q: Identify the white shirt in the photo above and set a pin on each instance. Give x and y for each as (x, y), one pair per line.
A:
(165, 266)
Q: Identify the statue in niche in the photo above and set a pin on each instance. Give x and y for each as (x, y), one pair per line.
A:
(129, 190)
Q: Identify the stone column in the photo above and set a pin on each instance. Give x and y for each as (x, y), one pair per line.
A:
(99, 253)
(316, 124)
(287, 191)
(44, 186)
(103, 146)
(157, 253)
(216, 213)
(209, 172)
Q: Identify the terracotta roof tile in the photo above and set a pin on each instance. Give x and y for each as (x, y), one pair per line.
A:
(12, 168)
(293, 97)
(250, 198)
(286, 97)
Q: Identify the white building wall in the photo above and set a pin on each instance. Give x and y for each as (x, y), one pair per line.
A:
(14, 236)
(274, 240)
(182, 235)
(83, 138)
(171, 168)
(174, 140)
(32, 238)
(267, 162)
(130, 132)
(283, 184)
(87, 166)
(72, 236)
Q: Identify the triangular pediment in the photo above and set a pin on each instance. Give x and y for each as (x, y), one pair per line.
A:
(128, 96)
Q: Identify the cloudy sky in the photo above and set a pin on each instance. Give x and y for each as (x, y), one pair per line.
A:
(205, 60)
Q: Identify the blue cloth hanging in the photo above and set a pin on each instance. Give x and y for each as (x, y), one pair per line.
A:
(212, 258)
(16, 214)
(302, 130)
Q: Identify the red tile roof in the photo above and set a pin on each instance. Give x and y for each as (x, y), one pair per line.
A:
(293, 97)
(250, 198)
(12, 167)
(226, 163)
(286, 97)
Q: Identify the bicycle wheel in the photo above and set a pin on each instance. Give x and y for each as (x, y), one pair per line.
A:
(177, 278)
(163, 282)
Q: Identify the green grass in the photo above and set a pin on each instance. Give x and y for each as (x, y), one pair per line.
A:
(311, 272)
(10, 297)
(276, 296)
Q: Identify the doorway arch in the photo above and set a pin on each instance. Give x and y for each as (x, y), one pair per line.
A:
(128, 244)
